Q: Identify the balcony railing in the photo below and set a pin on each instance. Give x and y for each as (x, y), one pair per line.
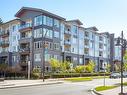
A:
(4, 43)
(67, 42)
(23, 62)
(4, 33)
(24, 49)
(25, 26)
(67, 32)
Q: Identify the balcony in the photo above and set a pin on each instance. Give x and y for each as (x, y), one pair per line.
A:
(23, 63)
(4, 33)
(24, 51)
(4, 43)
(66, 42)
(4, 51)
(25, 27)
(67, 34)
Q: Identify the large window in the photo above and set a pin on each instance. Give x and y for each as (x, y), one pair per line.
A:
(56, 46)
(56, 34)
(56, 23)
(86, 34)
(47, 33)
(74, 29)
(86, 50)
(48, 57)
(37, 57)
(38, 20)
(47, 21)
(38, 33)
(49, 45)
(86, 42)
(38, 45)
(81, 61)
(74, 40)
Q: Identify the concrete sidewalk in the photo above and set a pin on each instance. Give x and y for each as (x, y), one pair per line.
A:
(25, 83)
(114, 91)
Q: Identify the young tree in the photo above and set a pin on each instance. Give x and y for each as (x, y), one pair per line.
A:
(55, 64)
(108, 66)
(125, 61)
(90, 66)
(79, 69)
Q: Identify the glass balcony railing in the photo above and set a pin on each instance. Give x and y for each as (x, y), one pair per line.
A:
(67, 42)
(67, 32)
(2, 33)
(24, 49)
(28, 25)
(3, 43)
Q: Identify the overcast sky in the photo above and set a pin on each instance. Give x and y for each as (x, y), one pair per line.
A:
(106, 15)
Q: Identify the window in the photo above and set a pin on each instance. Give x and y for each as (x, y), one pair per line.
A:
(14, 38)
(37, 57)
(48, 57)
(14, 28)
(38, 33)
(74, 29)
(86, 42)
(14, 58)
(56, 23)
(49, 45)
(100, 45)
(47, 21)
(47, 33)
(56, 57)
(56, 34)
(100, 53)
(81, 61)
(86, 34)
(100, 38)
(74, 40)
(37, 45)
(38, 20)
(75, 59)
(86, 50)
(56, 46)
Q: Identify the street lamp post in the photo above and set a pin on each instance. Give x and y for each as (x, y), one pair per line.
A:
(28, 69)
(43, 53)
(121, 42)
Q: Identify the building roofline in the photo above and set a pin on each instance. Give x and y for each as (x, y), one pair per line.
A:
(10, 21)
(94, 28)
(38, 10)
(76, 20)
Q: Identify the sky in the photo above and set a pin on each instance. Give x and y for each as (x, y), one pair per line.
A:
(107, 15)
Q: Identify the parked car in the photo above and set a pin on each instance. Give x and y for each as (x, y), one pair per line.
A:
(125, 74)
(115, 75)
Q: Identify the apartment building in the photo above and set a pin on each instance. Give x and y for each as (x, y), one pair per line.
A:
(23, 39)
(9, 44)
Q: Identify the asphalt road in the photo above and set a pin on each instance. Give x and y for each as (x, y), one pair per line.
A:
(67, 88)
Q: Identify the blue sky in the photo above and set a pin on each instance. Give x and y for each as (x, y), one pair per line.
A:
(106, 15)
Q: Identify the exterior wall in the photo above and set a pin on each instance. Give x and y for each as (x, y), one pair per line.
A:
(76, 43)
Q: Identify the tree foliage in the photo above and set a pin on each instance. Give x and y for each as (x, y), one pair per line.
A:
(90, 66)
(79, 69)
(55, 64)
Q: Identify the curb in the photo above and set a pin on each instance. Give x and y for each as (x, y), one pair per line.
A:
(18, 86)
(95, 92)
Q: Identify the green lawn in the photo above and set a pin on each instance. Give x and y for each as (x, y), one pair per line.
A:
(101, 88)
(79, 79)
(99, 77)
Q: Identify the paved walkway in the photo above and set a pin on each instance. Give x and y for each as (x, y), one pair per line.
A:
(114, 91)
(23, 83)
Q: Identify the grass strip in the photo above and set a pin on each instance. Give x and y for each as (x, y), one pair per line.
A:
(79, 79)
(102, 88)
